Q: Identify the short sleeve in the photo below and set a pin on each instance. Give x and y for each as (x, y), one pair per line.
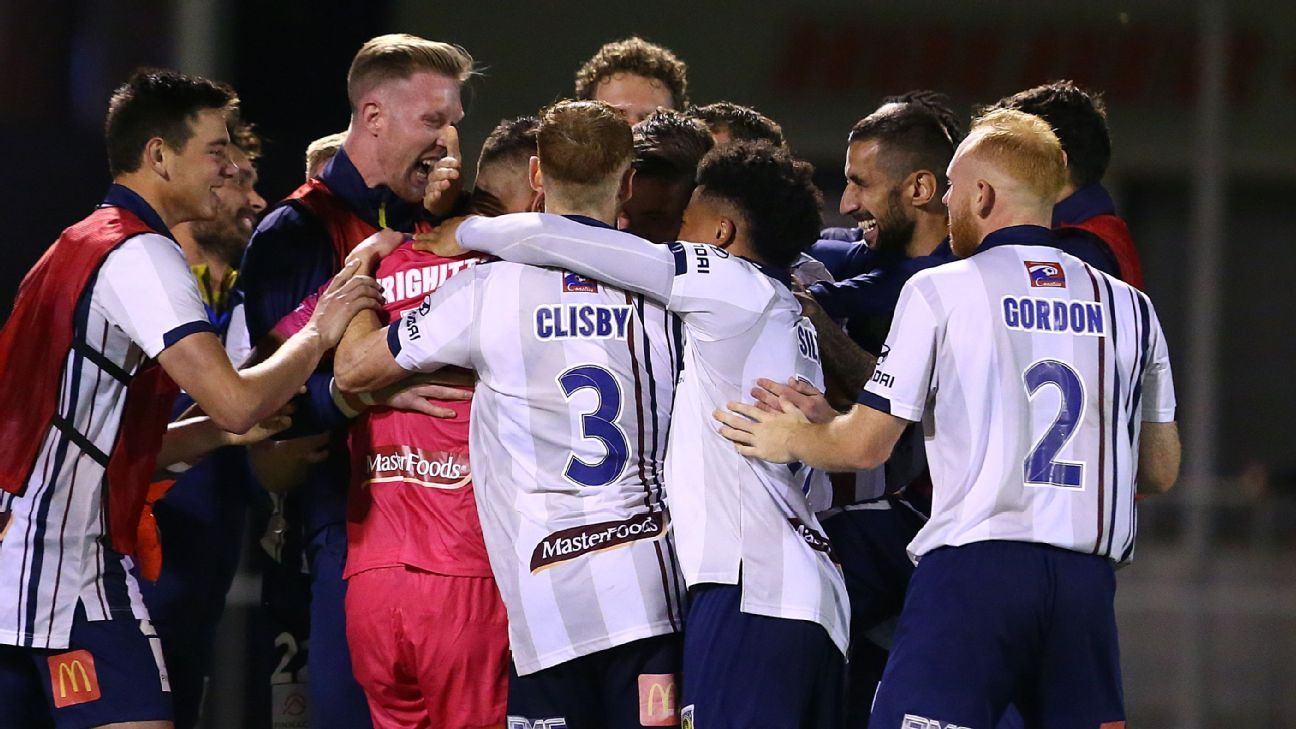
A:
(146, 289)
(439, 331)
(1158, 382)
(715, 293)
(902, 380)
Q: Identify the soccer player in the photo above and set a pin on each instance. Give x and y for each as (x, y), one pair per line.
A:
(502, 184)
(768, 619)
(730, 122)
(404, 95)
(106, 325)
(320, 151)
(636, 77)
(200, 517)
(1084, 216)
(668, 147)
(569, 428)
(1047, 391)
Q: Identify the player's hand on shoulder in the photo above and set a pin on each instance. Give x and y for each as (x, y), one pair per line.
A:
(443, 240)
(348, 294)
(445, 181)
(806, 397)
(759, 433)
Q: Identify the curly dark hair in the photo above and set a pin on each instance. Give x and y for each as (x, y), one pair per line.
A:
(915, 131)
(638, 56)
(669, 145)
(742, 122)
(510, 139)
(775, 193)
(243, 134)
(1078, 117)
(158, 103)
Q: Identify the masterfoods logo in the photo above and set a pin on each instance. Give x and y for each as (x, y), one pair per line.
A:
(572, 543)
(432, 469)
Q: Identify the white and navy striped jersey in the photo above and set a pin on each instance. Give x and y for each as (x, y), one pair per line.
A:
(1032, 373)
(739, 521)
(568, 432)
(55, 554)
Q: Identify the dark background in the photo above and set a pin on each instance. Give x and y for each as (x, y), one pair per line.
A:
(1209, 609)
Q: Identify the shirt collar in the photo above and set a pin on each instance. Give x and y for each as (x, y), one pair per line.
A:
(377, 206)
(587, 220)
(1018, 235)
(1087, 202)
(782, 275)
(120, 196)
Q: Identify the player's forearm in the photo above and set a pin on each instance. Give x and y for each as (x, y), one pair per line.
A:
(363, 361)
(1159, 457)
(620, 259)
(849, 442)
(266, 387)
(845, 364)
(189, 440)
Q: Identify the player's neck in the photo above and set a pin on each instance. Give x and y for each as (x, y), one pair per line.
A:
(140, 183)
(601, 211)
(929, 230)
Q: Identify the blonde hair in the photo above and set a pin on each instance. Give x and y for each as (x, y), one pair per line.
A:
(400, 55)
(321, 151)
(582, 143)
(1024, 147)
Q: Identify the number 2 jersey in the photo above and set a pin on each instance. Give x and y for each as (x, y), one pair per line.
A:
(739, 521)
(1033, 373)
(569, 420)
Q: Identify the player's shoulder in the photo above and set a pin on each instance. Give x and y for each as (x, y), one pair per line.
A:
(288, 223)
(146, 251)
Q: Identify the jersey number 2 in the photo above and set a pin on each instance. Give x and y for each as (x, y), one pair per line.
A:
(1041, 467)
(598, 425)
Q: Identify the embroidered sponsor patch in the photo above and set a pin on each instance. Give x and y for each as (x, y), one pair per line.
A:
(73, 679)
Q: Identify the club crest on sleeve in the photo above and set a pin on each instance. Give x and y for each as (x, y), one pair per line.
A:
(1046, 274)
(577, 284)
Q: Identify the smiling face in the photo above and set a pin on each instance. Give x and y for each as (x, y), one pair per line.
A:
(238, 205)
(199, 169)
(414, 114)
(636, 96)
(873, 199)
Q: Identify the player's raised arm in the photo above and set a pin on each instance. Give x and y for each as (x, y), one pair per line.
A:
(540, 239)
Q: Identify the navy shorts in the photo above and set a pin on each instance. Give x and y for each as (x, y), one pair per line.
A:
(746, 671)
(112, 671)
(870, 541)
(336, 700)
(626, 687)
(993, 623)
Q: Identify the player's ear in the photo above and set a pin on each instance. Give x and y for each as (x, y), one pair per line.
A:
(626, 190)
(371, 116)
(922, 188)
(725, 233)
(533, 175)
(984, 201)
(155, 156)
(537, 202)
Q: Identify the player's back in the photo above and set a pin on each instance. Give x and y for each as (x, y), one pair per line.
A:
(569, 432)
(743, 520)
(1041, 362)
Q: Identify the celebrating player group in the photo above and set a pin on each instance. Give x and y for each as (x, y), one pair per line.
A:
(620, 437)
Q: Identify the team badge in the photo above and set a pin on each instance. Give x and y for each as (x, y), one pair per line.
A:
(577, 284)
(73, 679)
(657, 700)
(686, 717)
(1046, 274)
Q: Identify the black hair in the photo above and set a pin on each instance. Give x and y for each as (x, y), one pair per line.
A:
(916, 130)
(774, 193)
(158, 103)
(669, 145)
(742, 122)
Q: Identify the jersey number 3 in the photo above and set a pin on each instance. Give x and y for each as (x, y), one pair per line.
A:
(598, 425)
(1041, 467)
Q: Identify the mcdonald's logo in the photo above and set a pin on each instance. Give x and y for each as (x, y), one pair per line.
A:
(657, 700)
(73, 679)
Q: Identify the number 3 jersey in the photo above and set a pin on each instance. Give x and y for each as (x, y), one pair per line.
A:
(568, 434)
(1032, 373)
